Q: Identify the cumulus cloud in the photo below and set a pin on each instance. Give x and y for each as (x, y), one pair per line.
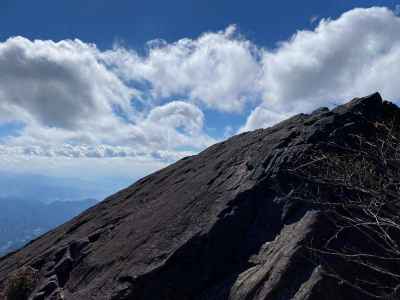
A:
(355, 55)
(57, 84)
(176, 124)
(159, 135)
(78, 102)
(178, 114)
(263, 117)
(73, 105)
(218, 70)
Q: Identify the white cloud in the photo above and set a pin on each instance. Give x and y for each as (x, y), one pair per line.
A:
(75, 100)
(178, 114)
(159, 135)
(84, 168)
(73, 105)
(57, 84)
(355, 55)
(262, 117)
(175, 125)
(218, 70)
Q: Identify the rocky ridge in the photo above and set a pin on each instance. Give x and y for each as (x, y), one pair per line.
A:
(217, 225)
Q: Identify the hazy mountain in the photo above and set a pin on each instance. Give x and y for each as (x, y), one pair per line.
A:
(23, 219)
(41, 188)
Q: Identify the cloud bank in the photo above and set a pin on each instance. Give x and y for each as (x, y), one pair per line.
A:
(357, 54)
(75, 101)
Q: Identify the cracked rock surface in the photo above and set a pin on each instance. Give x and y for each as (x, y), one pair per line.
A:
(217, 225)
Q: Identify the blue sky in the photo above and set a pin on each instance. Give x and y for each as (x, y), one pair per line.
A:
(110, 91)
(135, 22)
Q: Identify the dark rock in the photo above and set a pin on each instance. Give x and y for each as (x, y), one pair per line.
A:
(49, 287)
(63, 269)
(76, 248)
(219, 225)
(95, 236)
(60, 253)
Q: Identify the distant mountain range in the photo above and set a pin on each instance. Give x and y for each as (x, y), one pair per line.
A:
(48, 189)
(22, 220)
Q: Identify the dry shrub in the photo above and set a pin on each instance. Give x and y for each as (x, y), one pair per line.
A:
(355, 182)
(21, 284)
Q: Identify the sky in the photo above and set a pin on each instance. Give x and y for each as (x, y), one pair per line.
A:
(102, 92)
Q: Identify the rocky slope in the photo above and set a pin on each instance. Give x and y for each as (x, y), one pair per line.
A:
(218, 225)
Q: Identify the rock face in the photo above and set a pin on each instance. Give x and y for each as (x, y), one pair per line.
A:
(218, 225)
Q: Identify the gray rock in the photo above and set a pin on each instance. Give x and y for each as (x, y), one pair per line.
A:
(217, 225)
